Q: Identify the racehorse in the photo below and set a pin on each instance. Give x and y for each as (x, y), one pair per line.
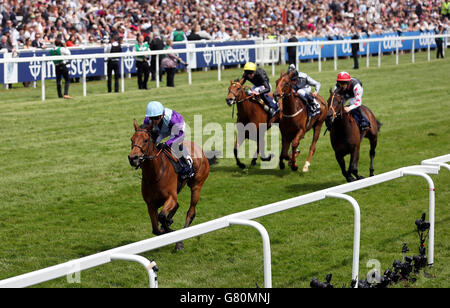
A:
(295, 122)
(250, 110)
(346, 137)
(160, 183)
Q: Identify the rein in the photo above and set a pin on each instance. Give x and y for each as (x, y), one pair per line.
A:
(144, 156)
(283, 96)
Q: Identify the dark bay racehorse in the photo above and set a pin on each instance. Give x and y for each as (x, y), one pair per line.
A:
(346, 137)
(160, 183)
(294, 121)
(250, 110)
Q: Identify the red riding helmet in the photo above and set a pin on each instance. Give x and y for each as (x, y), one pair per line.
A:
(343, 76)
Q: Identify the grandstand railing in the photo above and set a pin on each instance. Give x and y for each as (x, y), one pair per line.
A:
(262, 48)
(130, 252)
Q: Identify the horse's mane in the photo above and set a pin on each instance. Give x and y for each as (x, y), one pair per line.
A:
(144, 126)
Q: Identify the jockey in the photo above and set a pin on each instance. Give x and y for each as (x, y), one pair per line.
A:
(261, 85)
(301, 83)
(166, 122)
(351, 90)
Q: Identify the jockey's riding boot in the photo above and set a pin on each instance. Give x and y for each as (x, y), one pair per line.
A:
(187, 171)
(273, 112)
(365, 124)
(315, 108)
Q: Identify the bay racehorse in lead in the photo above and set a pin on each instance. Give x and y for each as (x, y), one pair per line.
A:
(160, 183)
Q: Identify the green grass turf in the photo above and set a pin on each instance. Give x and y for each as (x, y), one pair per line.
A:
(67, 190)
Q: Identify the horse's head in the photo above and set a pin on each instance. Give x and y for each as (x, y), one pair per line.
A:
(335, 107)
(142, 146)
(283, 86)
(235, 92)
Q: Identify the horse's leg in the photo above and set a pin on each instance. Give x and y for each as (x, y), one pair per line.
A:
(373, 145)
(262, 143)
(255, 156)
(171, 214)
(284, 151)
(190, 215)
(312, 148)
(168, 207)
(153, 213)
(341, 162)
(295, 153)
(237, 143)
(353, 167)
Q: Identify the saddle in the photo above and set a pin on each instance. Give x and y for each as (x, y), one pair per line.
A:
(178, 166)
(360, 119)
(311, 111)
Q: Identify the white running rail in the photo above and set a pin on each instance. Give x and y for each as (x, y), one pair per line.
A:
(129, 252)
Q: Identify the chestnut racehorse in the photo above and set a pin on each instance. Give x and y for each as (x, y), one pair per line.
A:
(346, 137)
(250, 110)
(160, 183)
(294, 121)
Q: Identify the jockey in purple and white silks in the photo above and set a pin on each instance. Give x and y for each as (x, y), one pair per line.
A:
(169, 123)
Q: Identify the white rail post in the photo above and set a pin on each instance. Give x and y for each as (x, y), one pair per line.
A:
(356, 232)
(413, 51)
(84, 76)
(320, 57)
(266, 246)
(150, 266)
(367, 54)
(428, 48)
(396, 50)
(43, 73)
(219, 64)
(431, 207)
(296, 57)
(157, 71)
(122, 72)
(335, 57)
(379, 54)
(188, 57)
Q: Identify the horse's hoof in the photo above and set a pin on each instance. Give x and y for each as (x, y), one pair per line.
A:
(360, 177)
(241, 165)
(253, 163)
(269, 158)
(350, 179)
(306, 167)
(282, 166)
(179, 246)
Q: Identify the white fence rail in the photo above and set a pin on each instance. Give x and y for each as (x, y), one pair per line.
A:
(129, 252)
(266, 52)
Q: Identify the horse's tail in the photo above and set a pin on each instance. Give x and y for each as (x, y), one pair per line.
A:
(212, 157)
(379, 124)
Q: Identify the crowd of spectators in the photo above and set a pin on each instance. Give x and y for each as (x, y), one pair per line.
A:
(37, 23)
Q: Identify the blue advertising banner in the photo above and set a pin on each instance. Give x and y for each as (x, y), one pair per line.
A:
(227, 57)
(22, 72)
(31, 71)
(345, 49)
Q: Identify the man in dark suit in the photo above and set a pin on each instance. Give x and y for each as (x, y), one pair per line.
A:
(292, 51)
(156, 44)
(355, 48)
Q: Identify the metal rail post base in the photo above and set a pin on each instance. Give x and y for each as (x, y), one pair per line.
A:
(266, 247)
(150, 266)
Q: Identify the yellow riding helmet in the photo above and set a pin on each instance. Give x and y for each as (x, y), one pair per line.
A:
(250, 66)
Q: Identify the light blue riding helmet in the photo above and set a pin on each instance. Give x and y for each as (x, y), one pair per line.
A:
(154, 109)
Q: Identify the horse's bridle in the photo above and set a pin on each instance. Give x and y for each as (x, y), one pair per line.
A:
(240, 89)
(335, 113)
(144, 157)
